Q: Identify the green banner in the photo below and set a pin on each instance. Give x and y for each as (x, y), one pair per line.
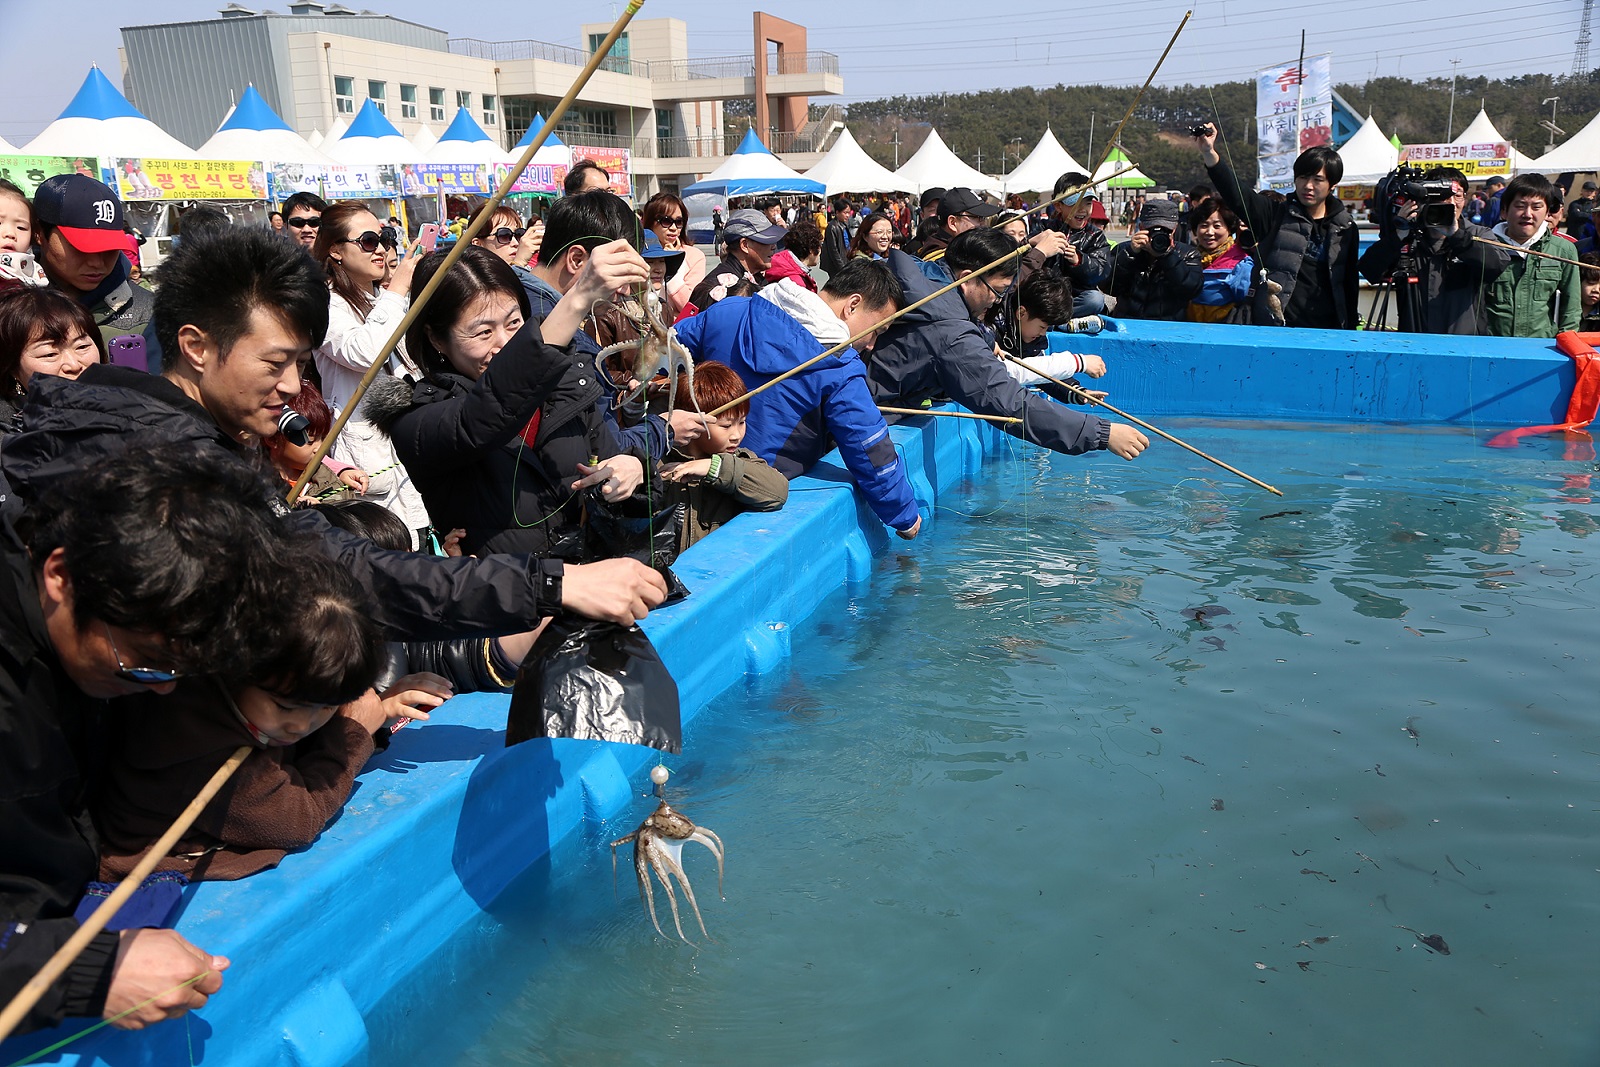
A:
(28, 171)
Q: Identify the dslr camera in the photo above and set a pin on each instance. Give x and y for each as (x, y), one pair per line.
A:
(1160, 239)
(1200, 130)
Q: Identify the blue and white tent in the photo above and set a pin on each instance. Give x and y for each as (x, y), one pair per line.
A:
(372, 140)
(100, 122)
(753, 171)
(254, 131)
(465, 142)
(554, 151)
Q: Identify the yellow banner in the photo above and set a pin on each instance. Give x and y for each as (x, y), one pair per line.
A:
(190, 179)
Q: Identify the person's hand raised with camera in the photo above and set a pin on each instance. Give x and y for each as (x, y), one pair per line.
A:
(1206, 142)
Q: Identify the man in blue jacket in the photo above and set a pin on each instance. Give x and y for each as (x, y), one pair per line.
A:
(796, 421)
(941, 349)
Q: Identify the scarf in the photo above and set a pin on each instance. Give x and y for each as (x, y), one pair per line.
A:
(1222, 249)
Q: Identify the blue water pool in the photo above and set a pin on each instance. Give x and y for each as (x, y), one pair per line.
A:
(1122, 764)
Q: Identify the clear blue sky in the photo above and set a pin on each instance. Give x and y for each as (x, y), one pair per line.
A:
(45, 46)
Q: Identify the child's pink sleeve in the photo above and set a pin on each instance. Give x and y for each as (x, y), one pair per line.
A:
(336, 466)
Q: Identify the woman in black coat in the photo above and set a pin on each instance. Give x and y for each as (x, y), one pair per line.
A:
(500, 434)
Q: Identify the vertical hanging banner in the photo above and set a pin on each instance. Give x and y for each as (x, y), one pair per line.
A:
(1294, 111)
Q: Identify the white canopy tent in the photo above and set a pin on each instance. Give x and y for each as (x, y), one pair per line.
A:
(1368, 155)
(372, 140)
(315, 140)
(554, 151)
(1047, 162)
(7, 147)
(848, 169)
(752, 170)
(100, 122)
(465, 142)
(425, 138)
(935, 166)
(1579, 153)
(253, 130)
(1481, 130)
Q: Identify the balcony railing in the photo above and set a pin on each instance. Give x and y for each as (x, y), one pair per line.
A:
(744, 66)
(508, 51)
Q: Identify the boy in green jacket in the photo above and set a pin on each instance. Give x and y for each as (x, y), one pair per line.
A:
(1535, 296)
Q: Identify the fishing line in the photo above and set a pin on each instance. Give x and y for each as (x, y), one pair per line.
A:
(35, 1057)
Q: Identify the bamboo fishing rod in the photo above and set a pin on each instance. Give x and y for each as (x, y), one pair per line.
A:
(1524, 251)
(949, 414)
(1016, 253)
(485, 213)
(1116, 135)
(40, 983)
(1091, 398)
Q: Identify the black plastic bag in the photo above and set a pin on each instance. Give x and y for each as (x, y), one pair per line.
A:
(598, 681)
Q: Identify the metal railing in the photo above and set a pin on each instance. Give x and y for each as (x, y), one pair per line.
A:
(744, 66)
(508, 51)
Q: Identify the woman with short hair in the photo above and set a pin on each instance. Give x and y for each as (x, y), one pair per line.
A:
(666, 215)
(1227, 270)
(42, 331)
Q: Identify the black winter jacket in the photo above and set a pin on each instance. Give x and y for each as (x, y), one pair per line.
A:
(1094, 257)
(462, 443)
(1450, 275)
(50, 755)
(1282, 234)
(1155, 287)
(938, 350)
(66, 424)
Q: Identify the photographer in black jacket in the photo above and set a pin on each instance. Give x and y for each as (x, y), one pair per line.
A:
(1153, 274)
(1425, 248)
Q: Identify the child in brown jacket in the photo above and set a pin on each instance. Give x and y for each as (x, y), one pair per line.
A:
(310, 719)
(717, 479)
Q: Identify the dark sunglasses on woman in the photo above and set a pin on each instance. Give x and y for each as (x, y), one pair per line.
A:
(369, 241)
(505, 235)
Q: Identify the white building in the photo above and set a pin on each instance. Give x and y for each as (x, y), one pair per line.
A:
(317, 64)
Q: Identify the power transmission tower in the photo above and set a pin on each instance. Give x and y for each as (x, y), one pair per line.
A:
(1580, 51)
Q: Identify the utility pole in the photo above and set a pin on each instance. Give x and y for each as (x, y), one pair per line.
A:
(1090, 156)
(980, 159)
(897, 148)
(1450, 123)
(1551, 125)
(1580, 51)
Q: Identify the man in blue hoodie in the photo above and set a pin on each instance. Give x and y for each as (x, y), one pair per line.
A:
(796, 421)
(79, 232)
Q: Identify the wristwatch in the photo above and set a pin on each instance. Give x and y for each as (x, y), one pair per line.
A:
(550, 575)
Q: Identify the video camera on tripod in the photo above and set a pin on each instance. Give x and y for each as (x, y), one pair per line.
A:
(1409, 184)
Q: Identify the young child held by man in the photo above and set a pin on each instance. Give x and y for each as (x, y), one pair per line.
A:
(1022, 318)
(332, 480)
(308, 712)
(716, 478)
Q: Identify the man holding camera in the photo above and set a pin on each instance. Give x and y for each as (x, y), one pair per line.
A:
(1306, 246)
(1153, 274)
(1426, 250)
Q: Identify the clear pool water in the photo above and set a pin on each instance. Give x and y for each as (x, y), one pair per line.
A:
(1123, 764)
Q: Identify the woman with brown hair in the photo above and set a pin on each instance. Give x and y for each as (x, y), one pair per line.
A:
(504, 233)
(665, 214)
(42, 331)
(367, 302)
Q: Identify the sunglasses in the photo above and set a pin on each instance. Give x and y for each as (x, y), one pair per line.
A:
(138, 675)
(671, 221)
(505, 235)
(368, 242)
(298, 221)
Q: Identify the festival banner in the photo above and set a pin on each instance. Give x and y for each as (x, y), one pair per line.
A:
(1474, 160)
(618, 162)
(1294, 111)
(431, 179)
(546, 178)
(26, 172)
(377, 182)
(189, 179)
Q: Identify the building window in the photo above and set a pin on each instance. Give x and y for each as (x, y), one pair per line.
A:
(617, 58)
(588, 121)
(489, 110)
(376, 92)
(344, 95)
(663, 122)
(436, 105)
(463, 99)
(408, 101)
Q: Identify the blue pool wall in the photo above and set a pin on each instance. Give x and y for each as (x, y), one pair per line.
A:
(444, 820)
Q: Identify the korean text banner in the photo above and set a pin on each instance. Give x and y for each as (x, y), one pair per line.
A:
(430, 179)
(189, 179)
(1474, 160)
(1294, 111)
(616, 161)
(26, 172)
(535, 178)
(381, 182)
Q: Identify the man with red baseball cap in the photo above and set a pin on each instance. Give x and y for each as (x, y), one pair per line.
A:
(80, 234)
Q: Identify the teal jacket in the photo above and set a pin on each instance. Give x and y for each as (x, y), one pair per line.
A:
(1534, 296)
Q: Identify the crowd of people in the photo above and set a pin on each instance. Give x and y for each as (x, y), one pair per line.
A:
(164, 603)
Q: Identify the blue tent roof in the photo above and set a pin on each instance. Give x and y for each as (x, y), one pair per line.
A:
(463, 128)
(751, 143)
(254, 113)
(533, 131)
(370, 122)
(751, 171)
(98, 99)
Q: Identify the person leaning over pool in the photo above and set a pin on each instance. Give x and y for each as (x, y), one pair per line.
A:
(943, 349)
(137, 570)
